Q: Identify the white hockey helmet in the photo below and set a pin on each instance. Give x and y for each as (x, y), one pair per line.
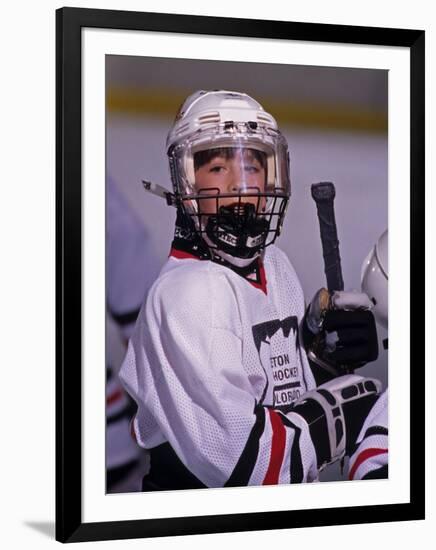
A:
(374, 279)
(231, 124)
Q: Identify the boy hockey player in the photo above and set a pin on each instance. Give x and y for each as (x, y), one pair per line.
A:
(216, 364)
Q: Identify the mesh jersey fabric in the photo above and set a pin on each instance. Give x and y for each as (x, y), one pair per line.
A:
(371, 454)
(214, 364)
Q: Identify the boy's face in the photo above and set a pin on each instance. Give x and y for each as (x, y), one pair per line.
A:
(240, 173)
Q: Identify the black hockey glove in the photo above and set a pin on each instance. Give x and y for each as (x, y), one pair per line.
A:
(339, 331)
(335, 413)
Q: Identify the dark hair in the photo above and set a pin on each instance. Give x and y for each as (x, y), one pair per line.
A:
(203, 157)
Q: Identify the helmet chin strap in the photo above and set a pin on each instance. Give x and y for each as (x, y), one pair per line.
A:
(236, 234)
(233, 260)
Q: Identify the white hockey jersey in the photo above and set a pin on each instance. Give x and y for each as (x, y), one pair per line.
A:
(214, 364)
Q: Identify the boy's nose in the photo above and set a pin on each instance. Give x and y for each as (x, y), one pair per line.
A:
(235, 183)
(234, 187)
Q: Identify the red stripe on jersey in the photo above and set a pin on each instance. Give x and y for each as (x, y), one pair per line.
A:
(115, 396)
(277, 449)
(262, 276)
(364, 455)
(182, 255)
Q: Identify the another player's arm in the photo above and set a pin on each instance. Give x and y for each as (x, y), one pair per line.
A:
(369, 459)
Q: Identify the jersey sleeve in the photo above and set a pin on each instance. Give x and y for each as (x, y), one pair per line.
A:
(370, 458)
(184, 369)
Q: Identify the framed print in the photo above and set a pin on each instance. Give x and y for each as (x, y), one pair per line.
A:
(233, 196)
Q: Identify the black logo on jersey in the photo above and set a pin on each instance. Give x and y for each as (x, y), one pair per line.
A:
(264, 331)
(285, 374)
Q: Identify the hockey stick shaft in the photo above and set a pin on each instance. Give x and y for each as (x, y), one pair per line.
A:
(159, 191)
(323, 194)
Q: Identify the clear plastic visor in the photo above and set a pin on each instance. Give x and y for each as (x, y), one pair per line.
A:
(230, 162)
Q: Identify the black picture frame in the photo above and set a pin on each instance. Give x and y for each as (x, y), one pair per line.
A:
(69, 22)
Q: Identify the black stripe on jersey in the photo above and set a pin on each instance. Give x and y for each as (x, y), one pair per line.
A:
(126, 318)
(375, 430)
(245, 465)
(297, 471)
(379, 473)
(314, 415)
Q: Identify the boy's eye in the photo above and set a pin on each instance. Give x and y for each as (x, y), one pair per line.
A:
(216, 168)
(252, 168)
